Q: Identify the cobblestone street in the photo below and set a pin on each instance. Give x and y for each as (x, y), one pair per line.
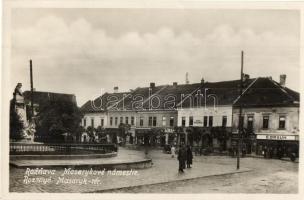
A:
(267, 176)
(210, 174)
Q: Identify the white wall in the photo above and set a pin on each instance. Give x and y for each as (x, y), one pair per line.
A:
(199, 113)
(97, 119)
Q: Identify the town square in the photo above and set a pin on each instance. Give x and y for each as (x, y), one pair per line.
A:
(152, 101)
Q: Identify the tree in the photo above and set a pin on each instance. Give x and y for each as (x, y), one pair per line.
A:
(123, 130)
(91, 132)
(101, 133)
(56, 118)
(78, 133)
(16, 125)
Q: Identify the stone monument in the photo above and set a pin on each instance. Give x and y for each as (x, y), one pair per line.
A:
(19, 106)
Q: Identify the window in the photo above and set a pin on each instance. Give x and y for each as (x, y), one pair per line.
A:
(190, 121)
(84, 122)
(154, 121)
(250, 123)
(224, 121)
(127, 120)
(282, 120)
(121, 120)
(141, 121)
(164, 121)
(242, 121)
(205, 121)
(92, 122)
(171, 121)
(102, 122)
(183, 121)
(150, 121)
(210, 121)
(111, 121)
(116, 120)
(132, 120)
(265, 122)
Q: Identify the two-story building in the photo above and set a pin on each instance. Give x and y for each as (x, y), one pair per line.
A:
(270, 116)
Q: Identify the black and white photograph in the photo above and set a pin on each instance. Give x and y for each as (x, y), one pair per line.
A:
(151, 100)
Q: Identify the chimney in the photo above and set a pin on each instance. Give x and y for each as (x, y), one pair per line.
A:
(187, 78)
(152, 85)
(116, 89)
(202, 81)
(283, 80)
(174, 84)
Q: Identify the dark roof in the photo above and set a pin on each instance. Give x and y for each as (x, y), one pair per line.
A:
(258, 91)
(44, 97)
(267, 92)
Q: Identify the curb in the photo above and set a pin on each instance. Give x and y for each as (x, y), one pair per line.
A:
(164, 182)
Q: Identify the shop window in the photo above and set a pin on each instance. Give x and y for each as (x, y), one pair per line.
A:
(171, 121)
(205, 121)
(224, 121)
(92, 122)
(183, 121)
(132, 120)
(150, 121)
(265, 122)
(154, 121)
(111, 121)
(250, 123)
(282, 122)
(127, 120)
(210, 121)
(191, 121)
(164, 121)
(141, 121)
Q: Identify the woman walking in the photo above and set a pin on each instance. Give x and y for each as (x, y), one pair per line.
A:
(189, 157)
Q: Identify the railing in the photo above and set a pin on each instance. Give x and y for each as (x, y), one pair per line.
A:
(59, 149)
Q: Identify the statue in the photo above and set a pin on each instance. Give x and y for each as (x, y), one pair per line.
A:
(18, 96)
(29, 125)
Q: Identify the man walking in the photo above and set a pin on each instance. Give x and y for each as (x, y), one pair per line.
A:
(182, 156)
(189, 156)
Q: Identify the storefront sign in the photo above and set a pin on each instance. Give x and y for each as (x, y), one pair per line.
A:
(276, 137)
(169, 130)
(198, 123)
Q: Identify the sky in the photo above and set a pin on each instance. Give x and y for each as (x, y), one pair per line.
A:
(83, 51)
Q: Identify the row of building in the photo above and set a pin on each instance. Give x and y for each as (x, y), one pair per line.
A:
(204, 114)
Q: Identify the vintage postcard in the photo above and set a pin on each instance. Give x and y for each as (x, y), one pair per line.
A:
(182, 99)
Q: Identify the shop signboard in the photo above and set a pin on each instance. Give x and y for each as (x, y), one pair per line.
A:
(198, 122)
(169, 130)
(276, 137)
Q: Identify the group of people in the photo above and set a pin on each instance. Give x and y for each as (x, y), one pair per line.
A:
(184, 157)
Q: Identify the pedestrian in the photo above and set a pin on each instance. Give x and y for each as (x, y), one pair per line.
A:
(182, 156)
(189, 157)
(172, 151)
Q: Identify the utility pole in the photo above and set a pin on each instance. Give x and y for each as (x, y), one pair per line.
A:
(32, 90)
(240, 115)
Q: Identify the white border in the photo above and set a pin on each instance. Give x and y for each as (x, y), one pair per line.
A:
(195, 4)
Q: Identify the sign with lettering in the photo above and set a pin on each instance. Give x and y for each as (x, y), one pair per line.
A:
(169, 130)
(198, 122)
(276, 137)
